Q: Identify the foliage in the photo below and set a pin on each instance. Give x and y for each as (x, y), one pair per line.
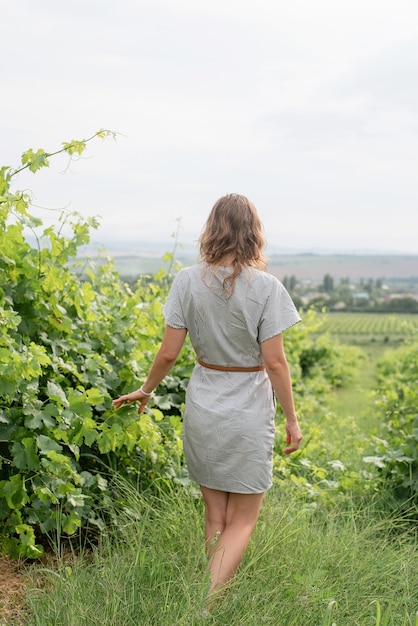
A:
(67, 347)
(321, 470)
(405, 304)
(396, 452)
(317, 362)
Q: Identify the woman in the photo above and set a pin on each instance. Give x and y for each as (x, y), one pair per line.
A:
(235, 314)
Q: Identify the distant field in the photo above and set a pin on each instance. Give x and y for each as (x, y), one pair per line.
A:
(373, 326)
(304, 267)
(355, 267)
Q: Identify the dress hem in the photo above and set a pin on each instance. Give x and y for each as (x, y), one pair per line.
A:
(246, 493)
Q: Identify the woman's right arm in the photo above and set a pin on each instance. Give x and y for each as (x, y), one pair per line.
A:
(278, 370)
(166, 356)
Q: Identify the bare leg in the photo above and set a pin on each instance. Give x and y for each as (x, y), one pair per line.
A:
(216, 503)
(233, 516)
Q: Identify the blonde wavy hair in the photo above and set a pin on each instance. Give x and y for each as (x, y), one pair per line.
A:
(233, 229)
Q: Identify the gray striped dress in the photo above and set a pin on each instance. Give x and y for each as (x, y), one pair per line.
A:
(228, 422)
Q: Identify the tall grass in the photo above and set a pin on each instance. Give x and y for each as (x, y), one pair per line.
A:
(342, 567)
(357, 399)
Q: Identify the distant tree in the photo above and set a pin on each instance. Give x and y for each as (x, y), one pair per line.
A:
(369, 286)
(401, 305)
(318, 303)
(292, 283)
(328, 283)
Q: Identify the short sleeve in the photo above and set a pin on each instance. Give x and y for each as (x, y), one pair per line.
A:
(173, 309)
(279, 313)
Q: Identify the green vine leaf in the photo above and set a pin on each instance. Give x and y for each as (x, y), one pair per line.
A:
(56, 393)
(74, 147)
(14, 492)
(35, 160)
(25, 454)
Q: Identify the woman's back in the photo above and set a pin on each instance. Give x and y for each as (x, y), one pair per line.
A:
(226, 329)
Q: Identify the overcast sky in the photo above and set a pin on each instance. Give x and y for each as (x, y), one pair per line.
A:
(308, 107)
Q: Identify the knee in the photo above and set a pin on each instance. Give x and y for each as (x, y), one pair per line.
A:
(244, 523)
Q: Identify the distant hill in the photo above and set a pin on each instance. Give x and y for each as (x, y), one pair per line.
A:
(132, 259)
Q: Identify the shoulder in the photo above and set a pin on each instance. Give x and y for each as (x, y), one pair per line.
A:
(265, 280)
(187, 275)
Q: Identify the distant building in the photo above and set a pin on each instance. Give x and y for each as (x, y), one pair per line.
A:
(361, 296)
(339, 306)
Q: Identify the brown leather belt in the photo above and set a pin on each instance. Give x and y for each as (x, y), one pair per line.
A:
(225, 368)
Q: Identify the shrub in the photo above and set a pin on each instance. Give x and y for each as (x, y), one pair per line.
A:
(67, 347)
(396, 453)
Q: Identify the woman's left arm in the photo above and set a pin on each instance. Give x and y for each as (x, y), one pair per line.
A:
(278, 370)
(165, 358)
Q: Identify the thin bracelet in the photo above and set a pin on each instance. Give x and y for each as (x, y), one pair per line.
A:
(145, 393)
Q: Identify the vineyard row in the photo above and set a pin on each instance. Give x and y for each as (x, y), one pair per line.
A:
(370, 323)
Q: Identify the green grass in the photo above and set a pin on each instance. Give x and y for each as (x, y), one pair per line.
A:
(334, 566)
(356, 399)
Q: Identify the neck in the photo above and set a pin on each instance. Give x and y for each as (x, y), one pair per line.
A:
(226, 261)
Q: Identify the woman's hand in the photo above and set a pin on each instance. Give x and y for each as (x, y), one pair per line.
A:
(293, 436)
(135, 396)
